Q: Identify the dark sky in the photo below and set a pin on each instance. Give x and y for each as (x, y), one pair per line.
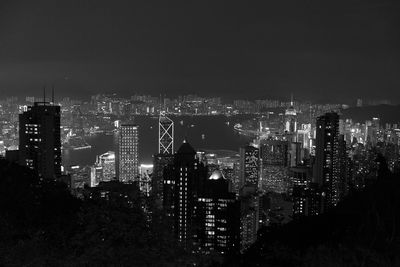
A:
(319, 50)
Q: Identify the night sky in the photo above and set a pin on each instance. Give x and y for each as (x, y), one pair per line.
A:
(319, 50)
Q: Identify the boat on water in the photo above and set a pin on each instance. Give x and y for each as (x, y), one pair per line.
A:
(82, 147)
(76, 143)
(238, 126)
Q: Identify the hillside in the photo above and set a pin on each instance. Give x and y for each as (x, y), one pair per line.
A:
(387, 113)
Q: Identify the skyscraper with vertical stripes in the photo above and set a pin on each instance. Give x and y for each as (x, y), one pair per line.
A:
(128, 153)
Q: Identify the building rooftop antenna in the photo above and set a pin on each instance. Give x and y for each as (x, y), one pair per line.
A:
(291, 99)
(161, 109)
(52, 94)
(44, 94)
(164, 104)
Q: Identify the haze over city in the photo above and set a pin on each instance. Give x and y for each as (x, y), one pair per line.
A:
(320, 51)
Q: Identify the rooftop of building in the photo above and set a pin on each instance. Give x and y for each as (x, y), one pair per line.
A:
(186, 148)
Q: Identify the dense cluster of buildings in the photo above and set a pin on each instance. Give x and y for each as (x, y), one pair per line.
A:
(103, 112)
(217, 204)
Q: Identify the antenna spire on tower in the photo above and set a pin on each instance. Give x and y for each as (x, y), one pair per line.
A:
(52, 94)
(44, 94)
(291, 99)
(161, 109)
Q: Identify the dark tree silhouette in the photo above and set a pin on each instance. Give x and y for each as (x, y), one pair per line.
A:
(41, 224)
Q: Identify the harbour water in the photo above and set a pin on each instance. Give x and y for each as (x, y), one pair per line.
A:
(202, 132)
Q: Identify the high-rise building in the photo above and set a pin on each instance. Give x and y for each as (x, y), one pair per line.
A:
(165, 135)
(249, 220)
(96, 174)
(146, 172)
(128, 153)
(343, 167)
(104, 168)
(160, 161)
(300, 177)
(314, 194)
(107, 161)
(164, 157)
(274, 164)
(373, 131)
(296, 154)
(39, 139)
(303, 136)
(291, 118)
(249, 168)
(218, 217)
(327, 171)
(183, 182)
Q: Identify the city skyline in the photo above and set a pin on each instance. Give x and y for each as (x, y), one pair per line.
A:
(199, 133)
(214, 204)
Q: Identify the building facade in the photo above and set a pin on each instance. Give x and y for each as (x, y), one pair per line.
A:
(128, 153)
(249, 168)
(184, 180)
(327, 171)
(39, 139)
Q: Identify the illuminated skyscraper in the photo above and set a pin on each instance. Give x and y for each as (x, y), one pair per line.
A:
(96, 174)
(39, 139)
(183, 182)
(218, 217)
(104, 168)
(128, 153)
(303, 136)
(165, 135)
(164, 157)
(327, 169)
(249, 168)
(290, 118)
(146, 171)
(249, 220)
(274, 164)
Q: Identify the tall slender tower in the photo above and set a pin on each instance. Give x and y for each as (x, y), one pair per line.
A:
(327, 158)
(290, 118)
(128, 153)
(165, 155)
(165, 135)
(39, 139)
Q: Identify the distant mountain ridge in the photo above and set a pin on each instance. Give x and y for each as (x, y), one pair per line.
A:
(386, 113)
